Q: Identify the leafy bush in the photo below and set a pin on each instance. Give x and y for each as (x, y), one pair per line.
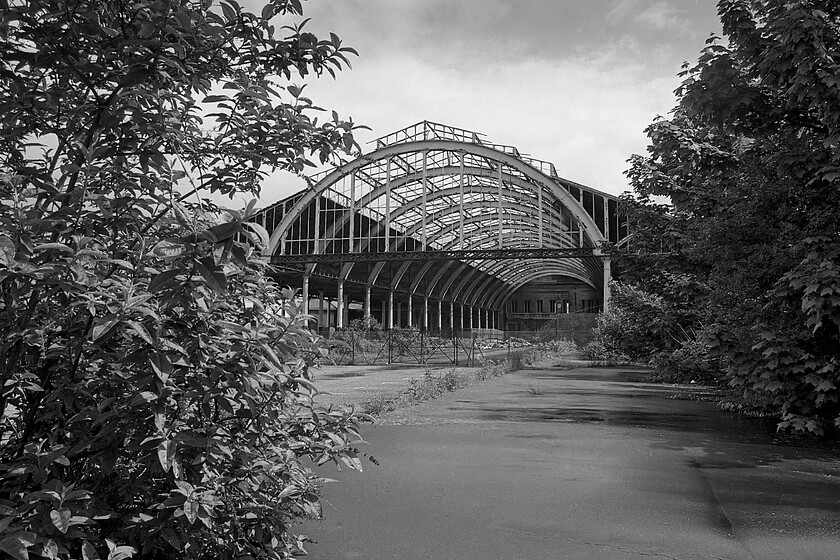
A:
(793, 355)
(750, 163)
(603, 351)
(156, 394)
(691, 361)
(549, 351)
(638, 325)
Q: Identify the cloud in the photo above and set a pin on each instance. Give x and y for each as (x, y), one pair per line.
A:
(585, 118)
(663, 15)
(570, 82)
(623, 9)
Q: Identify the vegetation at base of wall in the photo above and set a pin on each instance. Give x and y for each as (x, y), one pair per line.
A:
(434, 383)
(737, 280)
(156, 398)
(552, 351)
(598, 352)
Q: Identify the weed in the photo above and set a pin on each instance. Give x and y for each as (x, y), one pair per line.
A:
(534, 391)
(433, 384)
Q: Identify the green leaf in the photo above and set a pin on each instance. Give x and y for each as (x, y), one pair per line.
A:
(181, 215)
(263, 239)
(121, 553)
(89, 552)
(212, 274)
(141, 331)
(103, 327)
(222, 232)
(7, 250)
(53, 247)
(215, 99)
(143, 398)
(50, 549)
(161, 280)
(15, 547)
(191, 511)
(61, 519)
(166, 453)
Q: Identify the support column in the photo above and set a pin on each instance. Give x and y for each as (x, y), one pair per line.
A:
(607, 278)
(328, 322)
(440, 316)
(390, 323)
(451, 315)
(339, 307)
(410, 322)
(304, 308)
(424, 323)
(470, 317)
(366, 310)
(346, 310)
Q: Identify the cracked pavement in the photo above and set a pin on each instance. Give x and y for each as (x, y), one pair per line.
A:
(588, 463)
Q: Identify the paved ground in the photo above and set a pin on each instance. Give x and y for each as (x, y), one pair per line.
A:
(579, 464)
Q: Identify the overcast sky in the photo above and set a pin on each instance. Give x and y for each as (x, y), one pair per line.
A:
(574, 82)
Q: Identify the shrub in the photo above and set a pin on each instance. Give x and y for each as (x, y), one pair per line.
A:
(156, 389)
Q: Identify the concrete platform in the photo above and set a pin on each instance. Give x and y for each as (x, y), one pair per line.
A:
(586, 463)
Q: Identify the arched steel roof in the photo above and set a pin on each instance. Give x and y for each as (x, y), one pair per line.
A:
(432, 187)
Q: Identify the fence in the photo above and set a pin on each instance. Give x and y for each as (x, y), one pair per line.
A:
(456, 348)
(405, 346)
(576, 327)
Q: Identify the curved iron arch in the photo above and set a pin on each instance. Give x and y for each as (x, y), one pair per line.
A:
(563, 205)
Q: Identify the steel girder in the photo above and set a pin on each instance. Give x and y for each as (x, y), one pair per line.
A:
(491, 263)
(560, 194)
(550, 213)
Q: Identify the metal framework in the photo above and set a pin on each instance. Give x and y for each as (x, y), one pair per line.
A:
(439, 213)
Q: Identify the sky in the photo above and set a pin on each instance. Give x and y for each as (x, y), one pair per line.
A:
(573, 82)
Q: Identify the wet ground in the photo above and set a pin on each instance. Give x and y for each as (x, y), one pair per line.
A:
(583, 463)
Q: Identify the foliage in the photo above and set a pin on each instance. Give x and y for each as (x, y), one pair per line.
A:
(156, 394)
(552, 350)
(367, 323)
(750, 162)
(602, 351)
(433, 384)
(546, 332)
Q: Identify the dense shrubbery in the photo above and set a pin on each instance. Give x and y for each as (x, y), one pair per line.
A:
(156, 396)
(552, 350)
(750, 162)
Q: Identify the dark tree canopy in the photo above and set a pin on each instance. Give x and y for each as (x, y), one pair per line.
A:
(750, 159)
(156, 397)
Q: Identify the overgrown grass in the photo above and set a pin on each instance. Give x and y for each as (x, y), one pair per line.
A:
(435, 383)
(555, 351)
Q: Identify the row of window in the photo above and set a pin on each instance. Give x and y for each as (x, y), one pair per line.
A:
(553, 306)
